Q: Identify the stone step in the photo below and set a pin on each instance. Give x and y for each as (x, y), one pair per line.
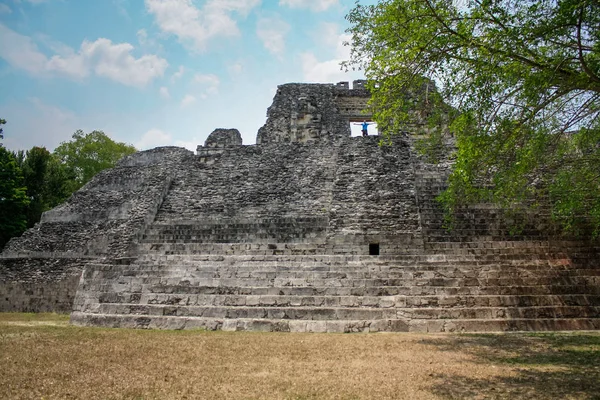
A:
(530, 312)
(231, 312)
(376, 264)
(348, 313)
(433, 260)
(350, 301)
(346, 291)
(241, 223)
(231, 272)
(504, 325)
(250, 237)
(468, 235)
(241, 324)
(309, 280)
(339, 326)
(267, 269)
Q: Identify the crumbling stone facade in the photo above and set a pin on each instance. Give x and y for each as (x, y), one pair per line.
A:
(308, 230)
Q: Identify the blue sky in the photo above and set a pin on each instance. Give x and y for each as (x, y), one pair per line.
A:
(158, 72)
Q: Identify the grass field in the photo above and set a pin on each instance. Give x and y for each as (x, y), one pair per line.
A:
(42, 357)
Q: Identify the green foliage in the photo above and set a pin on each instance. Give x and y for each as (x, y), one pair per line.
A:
(46, 180)
(35, 181)
(523, 78)
(2, 122)
(13, 198)
(58, 183)
(88, 154)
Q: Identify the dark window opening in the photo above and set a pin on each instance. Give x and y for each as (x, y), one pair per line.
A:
(373, 249)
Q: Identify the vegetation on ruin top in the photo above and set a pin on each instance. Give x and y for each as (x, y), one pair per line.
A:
(523, 78)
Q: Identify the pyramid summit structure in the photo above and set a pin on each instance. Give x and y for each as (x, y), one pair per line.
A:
(309, 230)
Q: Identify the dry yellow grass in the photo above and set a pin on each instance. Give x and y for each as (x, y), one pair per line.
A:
(42, 357)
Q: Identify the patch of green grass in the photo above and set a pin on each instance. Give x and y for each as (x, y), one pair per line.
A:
(30, 317)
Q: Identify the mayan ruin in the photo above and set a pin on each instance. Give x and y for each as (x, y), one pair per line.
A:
(308, 230)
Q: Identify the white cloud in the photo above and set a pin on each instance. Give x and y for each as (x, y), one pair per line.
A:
(320, 72)
(314, 5)
(121, 6)
(32, 1)
(164, 92)
(102, 57)
(209, 84)
(236, 68)
(148, 43)
(188, 100)
(178, 74)
(188, 144)
(328, 34)
(328, 71)
(142, 36)
(4, 9)
(272, 31)
(196, 26)
(35, 123)
(153, 138)
(20, 51)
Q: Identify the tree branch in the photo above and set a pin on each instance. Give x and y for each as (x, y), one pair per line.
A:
(584, 65)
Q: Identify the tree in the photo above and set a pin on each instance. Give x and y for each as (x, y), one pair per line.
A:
(523, 78)
(58, 183)
(34, 167)
(88, 154)
(13, 198)
(2, 122)
(46, 180)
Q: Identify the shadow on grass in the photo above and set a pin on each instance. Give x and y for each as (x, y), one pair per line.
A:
(544, 366)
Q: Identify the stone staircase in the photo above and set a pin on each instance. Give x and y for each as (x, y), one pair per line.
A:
(484, 286)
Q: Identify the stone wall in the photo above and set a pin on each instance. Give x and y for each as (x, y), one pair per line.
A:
(352, 103)
(39, 284)
(304, 113)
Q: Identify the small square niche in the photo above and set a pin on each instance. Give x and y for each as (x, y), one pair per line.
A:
(373, 249)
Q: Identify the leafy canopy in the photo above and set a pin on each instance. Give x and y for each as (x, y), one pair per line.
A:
(13, 198)
(88, 154)
(2, 122)
(36, 180)
(47, 181)
(523, 78)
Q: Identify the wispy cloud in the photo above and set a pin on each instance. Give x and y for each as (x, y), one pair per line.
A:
(209, 84)
(235, 68)
(188, 100)
(121, 6)
(33, 122)
(164, 92)
(272, 32)
(32, 1)
(153, 138)
(328, 70)
(195, 26)
(101, 57)
(177, 75)
(314, 5)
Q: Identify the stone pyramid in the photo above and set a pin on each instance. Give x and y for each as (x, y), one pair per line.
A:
(309, 230)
